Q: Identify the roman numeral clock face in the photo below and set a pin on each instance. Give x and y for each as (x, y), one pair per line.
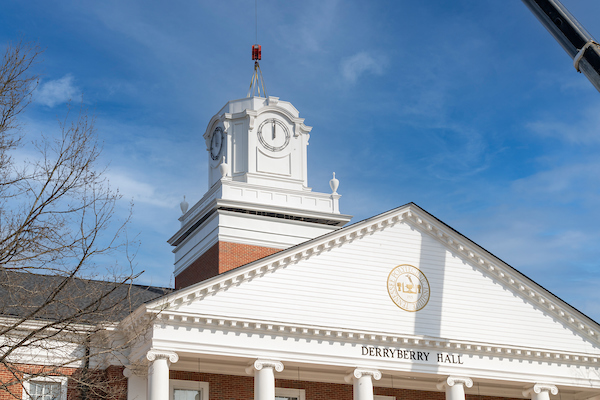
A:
(273, 135)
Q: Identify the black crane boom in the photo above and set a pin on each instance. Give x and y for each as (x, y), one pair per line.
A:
(571, 35)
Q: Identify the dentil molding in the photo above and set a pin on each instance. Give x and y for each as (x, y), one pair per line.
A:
(411, 215)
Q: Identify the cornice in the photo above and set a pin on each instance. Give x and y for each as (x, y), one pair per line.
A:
(280, 110)
(300, 212)
(272, 106)
(340, 335)
(504, 274)
(274, 262)
(246, 185)
(137, 324)
(197, 210)
(410, 214)
(73, 328)
(210, 201)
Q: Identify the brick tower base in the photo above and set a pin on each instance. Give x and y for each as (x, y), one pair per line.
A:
(222, 257)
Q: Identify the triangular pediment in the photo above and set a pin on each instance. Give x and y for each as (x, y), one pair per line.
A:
(338, 285)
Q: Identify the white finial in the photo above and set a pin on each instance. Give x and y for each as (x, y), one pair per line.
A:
(224, 168)
(334, 184)
(184, 205)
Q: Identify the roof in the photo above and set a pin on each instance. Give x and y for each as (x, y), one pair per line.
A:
(55, 297)
(417, 217)
(328, 299)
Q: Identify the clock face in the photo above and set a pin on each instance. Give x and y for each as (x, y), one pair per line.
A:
(216, 143)
(273, 135)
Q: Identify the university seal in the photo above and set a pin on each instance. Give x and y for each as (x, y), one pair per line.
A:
(408, 287)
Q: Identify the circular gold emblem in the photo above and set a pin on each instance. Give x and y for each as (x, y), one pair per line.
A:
(408, 287)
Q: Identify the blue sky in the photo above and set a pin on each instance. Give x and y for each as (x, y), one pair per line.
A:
(468, 108)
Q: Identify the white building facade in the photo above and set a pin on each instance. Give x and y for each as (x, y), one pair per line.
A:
(398, 306)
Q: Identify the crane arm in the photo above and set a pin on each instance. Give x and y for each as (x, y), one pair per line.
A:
(571, 35)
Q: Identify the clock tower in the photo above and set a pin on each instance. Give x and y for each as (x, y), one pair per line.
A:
(258, 201)
(261, 141)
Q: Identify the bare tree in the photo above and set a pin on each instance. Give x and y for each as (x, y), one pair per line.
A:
(56, 218)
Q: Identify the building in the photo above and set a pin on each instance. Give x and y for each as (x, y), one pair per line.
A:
(275, 298)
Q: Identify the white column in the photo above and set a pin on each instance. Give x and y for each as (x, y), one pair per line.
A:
(540, 391)
(455, 387)
(158, 373)
(136, 383)
(264, 378)
(362, 381)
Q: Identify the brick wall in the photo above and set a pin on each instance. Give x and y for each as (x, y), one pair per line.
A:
(233, 255)
(106, 384)
(231, 387)
(116, 383)
(221, 257)
(206, 266)
(221, 387)
(11, 378)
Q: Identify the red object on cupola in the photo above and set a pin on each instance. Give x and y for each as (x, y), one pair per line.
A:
(256, 51)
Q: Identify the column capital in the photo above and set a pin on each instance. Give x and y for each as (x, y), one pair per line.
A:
(135, 369)
(453, 380)
(539, 388)
(261, 363)
(170, 356)
(360, 372)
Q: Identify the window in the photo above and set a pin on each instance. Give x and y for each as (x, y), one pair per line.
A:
(45, 388)
(188, 390)
(289, 394)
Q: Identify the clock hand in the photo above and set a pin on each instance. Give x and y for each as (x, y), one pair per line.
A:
(273, 129)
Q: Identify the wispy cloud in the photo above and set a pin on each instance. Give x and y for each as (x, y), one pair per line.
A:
(311, 30)
(57, 91)
(361, 63)
(140, 192)
(577, 182)
(582, 129)
(458, 153)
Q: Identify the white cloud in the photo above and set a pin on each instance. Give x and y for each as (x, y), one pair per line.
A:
(361, 63)
(57, 91)
(141, 192)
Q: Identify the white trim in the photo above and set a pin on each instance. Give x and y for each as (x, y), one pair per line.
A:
(299, 394)
(412, 215)
(45, 379)
(340, 335)
(381, 397)
(189, 385)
